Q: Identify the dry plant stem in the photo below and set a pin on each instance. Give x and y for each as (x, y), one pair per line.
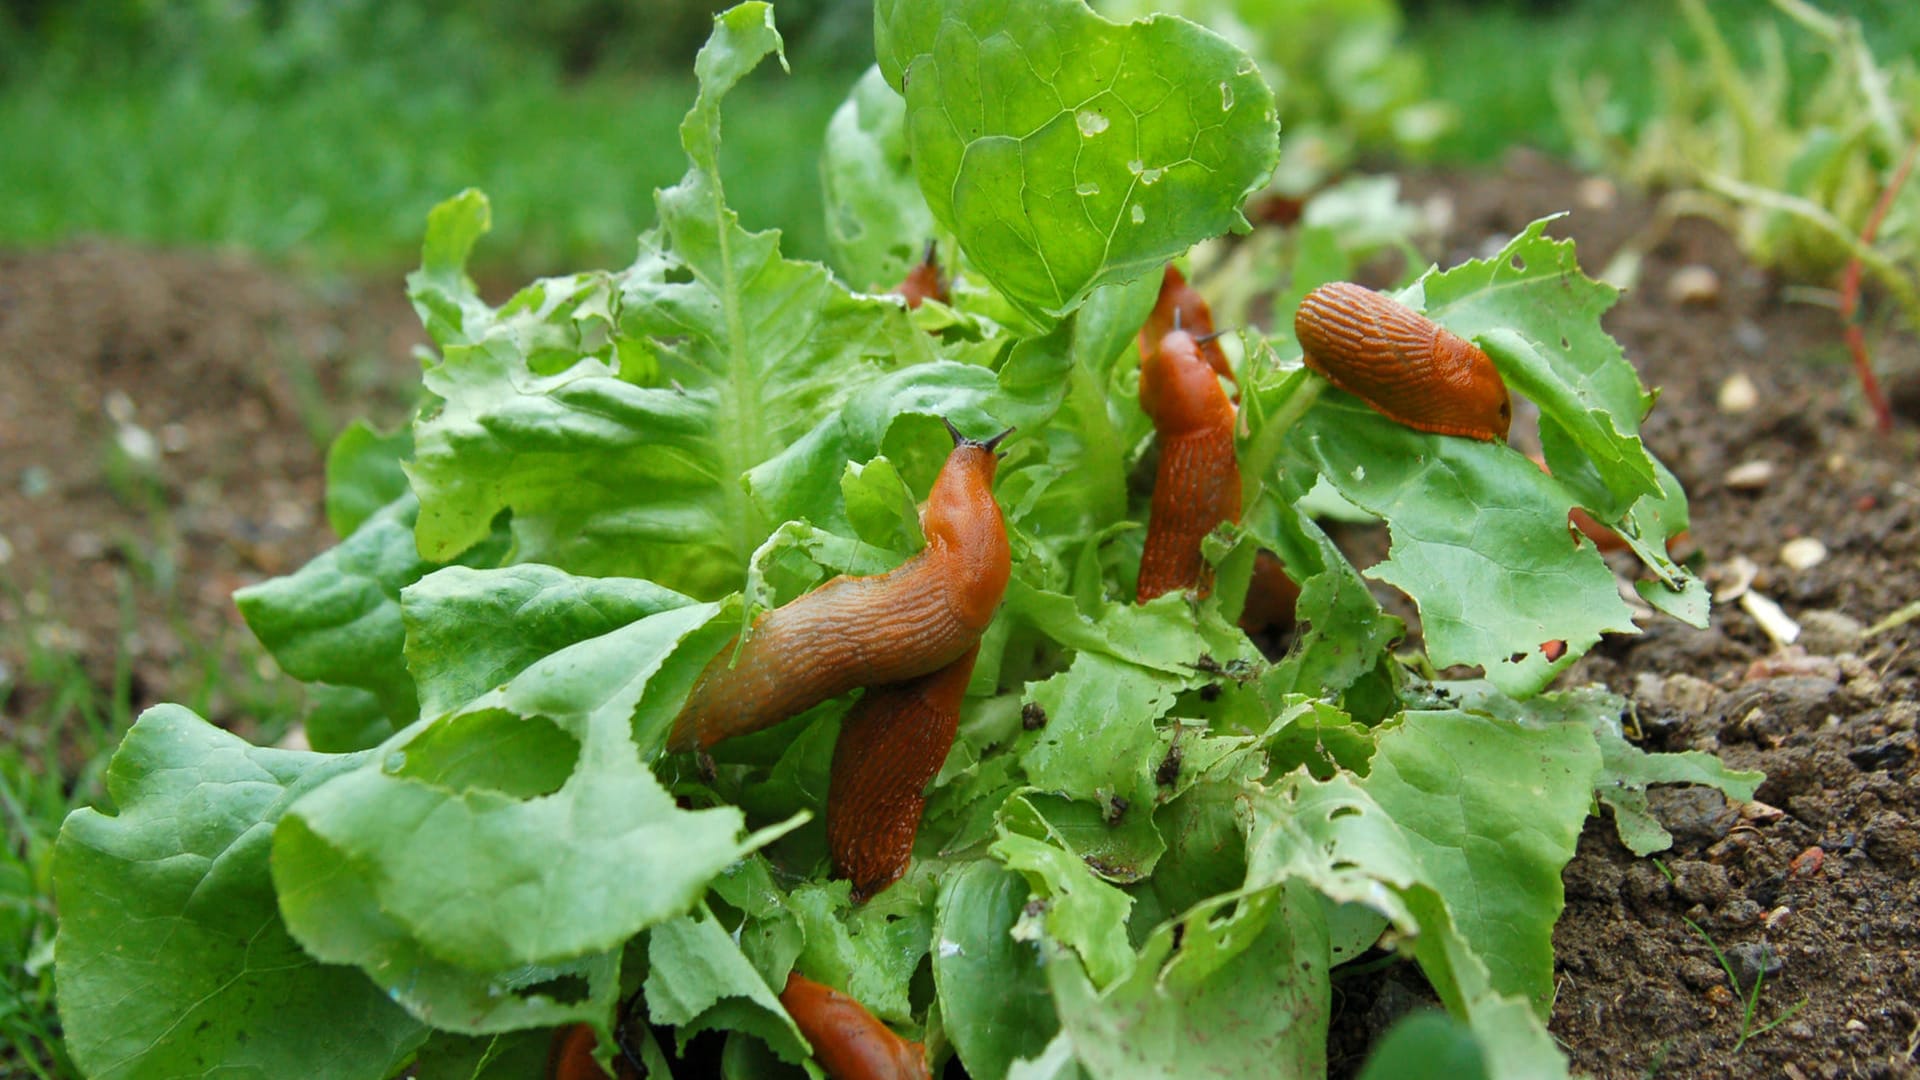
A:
(1850, 295)
(1905, 291)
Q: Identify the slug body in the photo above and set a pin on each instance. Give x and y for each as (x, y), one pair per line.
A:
(571, 1057)
(866, 631)
(848, 1042)
(890, 747)
(1197, 485)
(924, 281)
(1180, 306)
(1403, 364)
(1272, 597)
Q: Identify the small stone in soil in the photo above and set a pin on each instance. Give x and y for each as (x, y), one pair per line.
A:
(1693, 284)
(1695, 815)
(1830, 633)
(1749, 475)
(1803, 553)
(1752, 960)
(1738, 394)
(1701, 882)
(1807, 863)
(1892, 752)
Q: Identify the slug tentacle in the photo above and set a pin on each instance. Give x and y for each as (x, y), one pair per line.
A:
(1180, 307)
(891, 746)
(866, 631)
(1401, 363)
(847, 1040)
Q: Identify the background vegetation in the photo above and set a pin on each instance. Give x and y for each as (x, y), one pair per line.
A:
(320, 133)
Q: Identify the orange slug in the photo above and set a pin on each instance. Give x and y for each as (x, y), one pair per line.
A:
(571, 1057)
(1272, 597)
(1198, 483)
(1403, 364)
(1180, 307)
(891, 745)
(1603, 538)
(848, 1041)
(924, 280)
(867, 631)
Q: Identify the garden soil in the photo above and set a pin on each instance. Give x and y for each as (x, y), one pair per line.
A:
(161, 423)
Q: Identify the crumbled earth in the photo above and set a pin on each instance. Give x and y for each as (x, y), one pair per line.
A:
(162, 418)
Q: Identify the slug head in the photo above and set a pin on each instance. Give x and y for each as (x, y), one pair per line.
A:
(1179, 390)
(1180, 307)
(924, 280)
(964, 528)
(1401, 363)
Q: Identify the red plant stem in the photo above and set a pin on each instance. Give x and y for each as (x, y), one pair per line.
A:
(1856, 338)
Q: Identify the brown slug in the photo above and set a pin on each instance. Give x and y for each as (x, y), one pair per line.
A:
(867, 631)
(1403, 364)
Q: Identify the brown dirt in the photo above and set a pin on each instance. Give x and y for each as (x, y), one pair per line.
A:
(231, 365)
(162, 425)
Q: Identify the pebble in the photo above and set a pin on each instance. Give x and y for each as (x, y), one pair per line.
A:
(1701, 882)
(1830, 633)
(6, 550)
(1778, 916)
(1696, 815)
(1693, 284)
(1892, 752)
(1737, 914)
(1753, 960)
(1749, 475)
(1803, 553)
(1892, 842)
(1738, 394)
(1691, 694)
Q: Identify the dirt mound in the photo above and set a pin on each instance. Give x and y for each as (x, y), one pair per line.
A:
(162, 419)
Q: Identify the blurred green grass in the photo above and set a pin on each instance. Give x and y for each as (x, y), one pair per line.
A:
(342, 175)
(320, 135)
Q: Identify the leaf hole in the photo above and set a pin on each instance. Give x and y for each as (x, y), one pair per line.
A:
(492, 750)
(562, 989)
(1519, 263)
(1339, 812)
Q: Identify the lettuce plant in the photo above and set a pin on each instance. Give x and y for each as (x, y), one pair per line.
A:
(1151, 845)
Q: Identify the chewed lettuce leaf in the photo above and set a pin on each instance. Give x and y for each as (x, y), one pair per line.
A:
(1057, 147)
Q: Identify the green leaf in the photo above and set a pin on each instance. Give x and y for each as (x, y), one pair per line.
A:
(1212, 994)
(468, 631)
(1426, 1043)
(1538, 317)
(1626, 771)
(168, 923)
(877, 223)
(993, 987)
(1055, 146)
(697, 979)
(1082, 911)
(1333, 836)
(470, 831)
(363, 475)
(1480, 542)
(1491, 812)
(337, 619)
(880, 506)
(615, 414)
(870, 952)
